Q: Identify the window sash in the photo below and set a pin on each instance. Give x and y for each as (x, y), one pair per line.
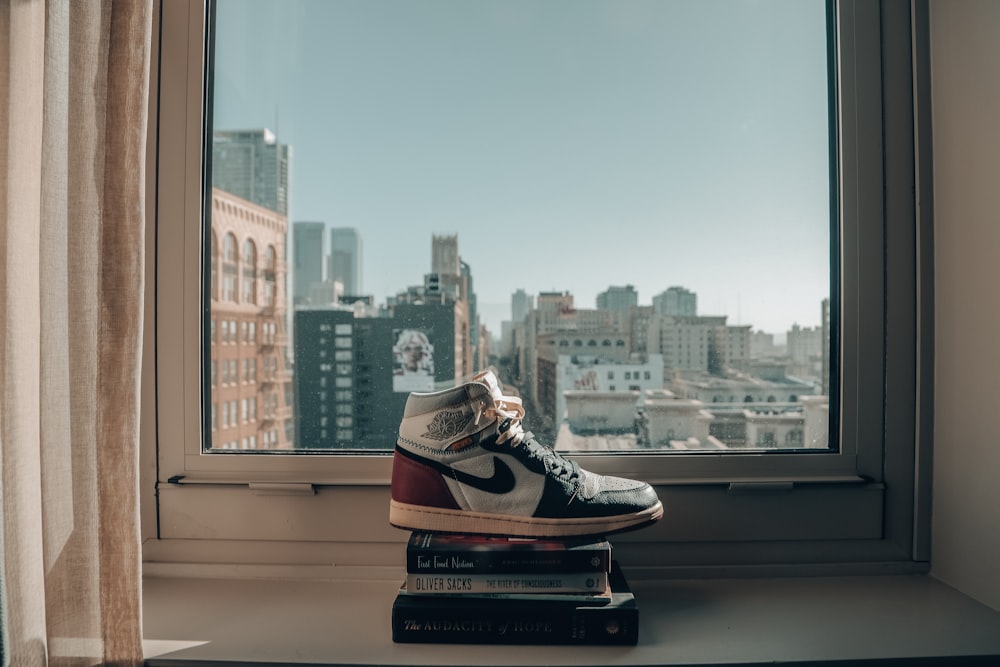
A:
(345, 468)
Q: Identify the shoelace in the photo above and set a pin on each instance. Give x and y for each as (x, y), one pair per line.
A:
(509, 411)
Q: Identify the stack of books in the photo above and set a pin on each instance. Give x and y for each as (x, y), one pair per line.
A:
(475, 589)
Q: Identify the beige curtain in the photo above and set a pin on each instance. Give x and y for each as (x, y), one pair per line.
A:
(73, 112)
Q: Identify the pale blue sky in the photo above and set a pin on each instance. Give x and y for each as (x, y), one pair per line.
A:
(571, 144)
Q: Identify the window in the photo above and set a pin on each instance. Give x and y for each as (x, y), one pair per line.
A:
(852, 495)
(249, 273)
(229, 269)
(270, 275)
(214, 277)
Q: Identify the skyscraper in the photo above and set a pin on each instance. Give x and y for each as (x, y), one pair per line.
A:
(307, 262)
(251, 164)
(676, 301)
(444, 255)
(473, 317)
(521, 304)
(357, 405)
(344, 263)
(618, 299)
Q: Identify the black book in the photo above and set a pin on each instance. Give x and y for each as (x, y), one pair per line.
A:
(474, 620)
(439, 553)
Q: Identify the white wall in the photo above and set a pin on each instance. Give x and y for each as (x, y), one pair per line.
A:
(965, 53)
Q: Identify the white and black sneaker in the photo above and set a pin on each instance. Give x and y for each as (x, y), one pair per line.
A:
(464, 464)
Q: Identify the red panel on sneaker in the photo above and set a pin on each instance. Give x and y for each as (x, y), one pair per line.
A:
(416, 484)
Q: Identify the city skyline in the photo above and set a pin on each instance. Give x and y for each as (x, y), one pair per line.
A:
(505, 311)
(562, 165)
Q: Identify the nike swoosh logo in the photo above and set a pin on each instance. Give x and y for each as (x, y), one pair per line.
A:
(501, 481)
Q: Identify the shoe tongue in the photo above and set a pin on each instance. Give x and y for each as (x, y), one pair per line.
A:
(490, 380)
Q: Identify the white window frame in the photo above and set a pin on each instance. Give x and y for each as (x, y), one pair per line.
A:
(865, 503)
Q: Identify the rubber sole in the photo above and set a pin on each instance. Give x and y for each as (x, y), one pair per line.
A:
(438, 520)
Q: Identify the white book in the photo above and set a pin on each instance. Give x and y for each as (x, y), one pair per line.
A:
(571, 582)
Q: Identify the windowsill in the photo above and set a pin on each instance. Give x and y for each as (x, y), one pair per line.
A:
(682, 622)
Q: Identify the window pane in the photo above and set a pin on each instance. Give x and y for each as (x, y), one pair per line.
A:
(622, 205)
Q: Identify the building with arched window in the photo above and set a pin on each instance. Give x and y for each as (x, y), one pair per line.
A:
(250, 382)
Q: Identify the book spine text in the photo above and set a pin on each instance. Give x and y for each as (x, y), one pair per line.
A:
(578, 627)
(478, 563)
(431, 584)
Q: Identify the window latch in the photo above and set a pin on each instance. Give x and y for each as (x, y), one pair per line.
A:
(282, 489)
(759, 488)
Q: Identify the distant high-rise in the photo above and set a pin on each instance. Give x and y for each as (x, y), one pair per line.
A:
(357, 405)
(676, 301)
(521, 304)
(804, 343)
(444, 255)
(618, 299)
(345, 259)
(473, 315)
(251, 164)
(446, 284)
(307, 263)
